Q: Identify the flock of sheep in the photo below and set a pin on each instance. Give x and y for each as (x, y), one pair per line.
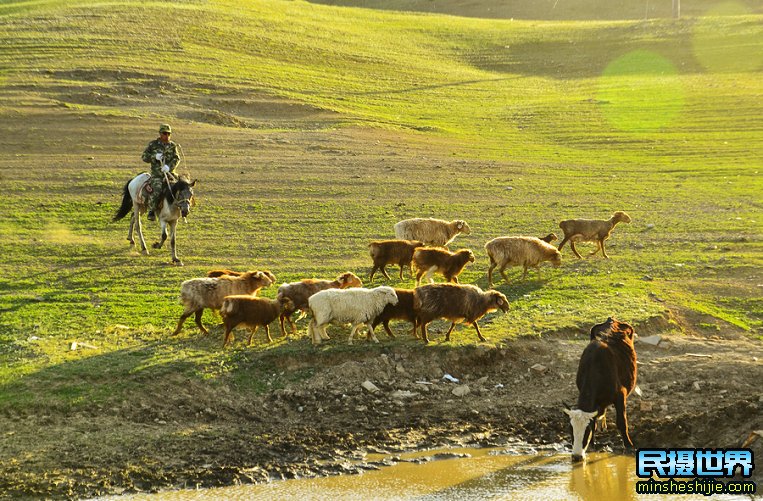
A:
(421, 245)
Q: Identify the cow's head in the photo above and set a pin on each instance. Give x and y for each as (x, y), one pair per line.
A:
(583, 425)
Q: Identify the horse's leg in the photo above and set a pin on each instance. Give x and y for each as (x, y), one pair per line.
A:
(139, 226)
(163, 225)
(173, 229)
(132, 224)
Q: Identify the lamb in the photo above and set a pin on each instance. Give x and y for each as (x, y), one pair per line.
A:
(231, 273)
(450, 264)
(197, 294)
(300, 292)
(403, 310)
(590, 230)
(550, 238)
(356, 306)
(457, 303)
(606, 375)
(399, 252)
(519, 251)
(251, 311)
(431, 231)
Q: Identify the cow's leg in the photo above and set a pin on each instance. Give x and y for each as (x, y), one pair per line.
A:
(622, 419)
(572, 246)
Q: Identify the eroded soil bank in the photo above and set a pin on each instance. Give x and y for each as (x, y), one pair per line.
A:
(698, 391)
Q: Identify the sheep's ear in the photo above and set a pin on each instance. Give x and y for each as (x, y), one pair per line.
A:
(460, 224)
(567, 411)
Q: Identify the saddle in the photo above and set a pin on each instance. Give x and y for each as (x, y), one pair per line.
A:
(145, 190)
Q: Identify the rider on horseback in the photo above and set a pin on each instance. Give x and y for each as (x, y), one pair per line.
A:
(162, 154)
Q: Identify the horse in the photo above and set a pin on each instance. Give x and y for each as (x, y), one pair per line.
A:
(177, 204)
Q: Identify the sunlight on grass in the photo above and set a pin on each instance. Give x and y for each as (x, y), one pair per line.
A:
(728, 52)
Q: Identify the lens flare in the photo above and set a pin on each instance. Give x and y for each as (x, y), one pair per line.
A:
(640, 92)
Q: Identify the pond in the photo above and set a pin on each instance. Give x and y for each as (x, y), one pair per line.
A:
(463, 474)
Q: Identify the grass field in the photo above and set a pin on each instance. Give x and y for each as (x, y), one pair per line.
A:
(313, 129)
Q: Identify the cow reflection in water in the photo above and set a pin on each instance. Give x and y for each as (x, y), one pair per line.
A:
(604, 476)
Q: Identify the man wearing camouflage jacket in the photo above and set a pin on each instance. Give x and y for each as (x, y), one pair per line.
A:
(162, 154)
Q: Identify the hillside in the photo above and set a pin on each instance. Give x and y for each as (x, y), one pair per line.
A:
(556, 10)
(311, 130)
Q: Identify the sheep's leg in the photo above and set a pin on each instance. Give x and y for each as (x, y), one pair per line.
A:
(490, 273)
(447, 334)
(601, 244)
(352, 332)
(424, 333)
(183, 317)
(387, 329)
(252, 331)
(323, 333)
(598, 247)
(281, 319)
(267, 334)
(371, 333)
(454, 279)
(524, 273)
(414, 329)
(572, 246)
(479, 334)
(419, 273)
(502, 270)
(197, 317)
(228, 336)
(312, 332)
(564, 241)
(622, 420)
(401, 270)
(430, 272)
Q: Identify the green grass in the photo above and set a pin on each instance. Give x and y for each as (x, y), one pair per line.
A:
(313, 129)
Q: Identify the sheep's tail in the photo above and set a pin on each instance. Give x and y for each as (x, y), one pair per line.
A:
(126, 203)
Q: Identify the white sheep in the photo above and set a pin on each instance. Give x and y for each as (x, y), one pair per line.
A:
(519, 251)
(356, 306)
(197, 294)
(431, 231)
(591, 230)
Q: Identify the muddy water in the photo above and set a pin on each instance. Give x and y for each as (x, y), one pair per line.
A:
(484, 474)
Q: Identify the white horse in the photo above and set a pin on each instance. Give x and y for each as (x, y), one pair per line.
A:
(177, 203)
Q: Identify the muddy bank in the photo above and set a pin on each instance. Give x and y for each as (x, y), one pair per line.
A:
(697, 392)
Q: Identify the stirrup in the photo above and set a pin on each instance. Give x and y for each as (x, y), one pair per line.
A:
(151, 216)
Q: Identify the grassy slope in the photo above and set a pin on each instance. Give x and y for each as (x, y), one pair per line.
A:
(480, 105)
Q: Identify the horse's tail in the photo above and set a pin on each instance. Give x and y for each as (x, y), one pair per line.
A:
(126, 203)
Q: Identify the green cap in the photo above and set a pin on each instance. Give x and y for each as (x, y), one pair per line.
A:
(165, 128)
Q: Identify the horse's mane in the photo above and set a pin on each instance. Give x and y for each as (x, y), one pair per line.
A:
(180, 185)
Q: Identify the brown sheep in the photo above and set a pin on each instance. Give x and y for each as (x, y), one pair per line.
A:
(519, 251)
(591, 230)
(200, 293)
(403, 310)
(457, 303)
(253, 312)
(449, 264)
(550, 238)
(231, 273)
(300, 292)
(431, 231)
(399, 252)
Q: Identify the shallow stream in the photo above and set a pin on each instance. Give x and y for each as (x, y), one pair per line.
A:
(462, 474)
